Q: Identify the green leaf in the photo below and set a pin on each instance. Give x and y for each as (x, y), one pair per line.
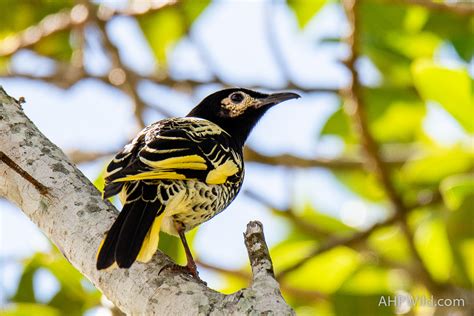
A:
(449, 87)
(350, 304)
(395, 115)
(162, 30)
(457, 189)
(68, 303)
(400, 123)
(232, 283)
(25, 309)
(325, 272)
(171, 246)
(377, 22)
(455, 29)
(466, 251)
(325, 223)
(364, 184)
(56, 46)
(338, 124)
(4, 62)
(437, 164)
(305, 10)
(317, 307)
(25, 291)
(193, 9)
(288, 253)
(23, 14)
(458, 194)
(99, 182)
(431, 241)
(460, 225)
(371, 280)
(389, 242)
(415, 19)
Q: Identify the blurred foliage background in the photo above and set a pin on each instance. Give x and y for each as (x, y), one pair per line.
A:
(399, 128)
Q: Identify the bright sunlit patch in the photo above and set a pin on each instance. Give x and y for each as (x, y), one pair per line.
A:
(106, 302)
(99, 311)
(46, 285)
(354, 213)
(442, 127)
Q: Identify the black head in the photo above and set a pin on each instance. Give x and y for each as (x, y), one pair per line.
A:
(237, 110)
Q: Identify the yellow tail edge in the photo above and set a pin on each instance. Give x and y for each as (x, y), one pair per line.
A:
(150, 243)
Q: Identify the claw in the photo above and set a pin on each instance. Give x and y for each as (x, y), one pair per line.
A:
(182, 269)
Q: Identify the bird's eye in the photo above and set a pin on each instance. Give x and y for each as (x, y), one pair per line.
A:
(237, 97)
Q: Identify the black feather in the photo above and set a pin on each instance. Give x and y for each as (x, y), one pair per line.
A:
(112, 189)
(134, 229)
(106, 256)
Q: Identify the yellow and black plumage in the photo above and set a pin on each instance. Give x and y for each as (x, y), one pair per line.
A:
(180, 172)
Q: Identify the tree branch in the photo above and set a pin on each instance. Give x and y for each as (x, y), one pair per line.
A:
(74, 217)
(67, 19)
(121, 76)
(354, 107)
(51, 24)
(243, 275)
(299, 162)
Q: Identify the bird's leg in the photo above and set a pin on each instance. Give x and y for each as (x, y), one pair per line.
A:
(191, 265)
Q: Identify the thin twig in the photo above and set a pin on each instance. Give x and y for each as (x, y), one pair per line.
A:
(188, 85)
(272, 40)
(67, 19)
(129, 83)
(258, 252)
(25, 175)
(299, 222)
(137, 8)
(299, 162)
(354, 107)
(80, 156)
(251, 155)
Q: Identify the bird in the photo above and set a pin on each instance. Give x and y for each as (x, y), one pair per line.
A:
(178, 173)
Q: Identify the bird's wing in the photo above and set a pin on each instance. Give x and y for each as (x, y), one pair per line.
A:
(176, 149)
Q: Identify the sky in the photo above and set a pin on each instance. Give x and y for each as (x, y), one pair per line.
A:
(93, 116)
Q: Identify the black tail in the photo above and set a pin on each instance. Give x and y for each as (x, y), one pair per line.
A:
(124, 239)
(112, 188)
(106, 253)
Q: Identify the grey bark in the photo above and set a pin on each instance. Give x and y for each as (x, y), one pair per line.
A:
(74, 217)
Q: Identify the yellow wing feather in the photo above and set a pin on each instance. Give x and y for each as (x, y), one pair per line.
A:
(164, 168)
(149, 175)
(220, 174)
(152, 238)
(194, 162)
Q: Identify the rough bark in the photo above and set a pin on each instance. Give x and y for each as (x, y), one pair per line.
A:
(74, 217)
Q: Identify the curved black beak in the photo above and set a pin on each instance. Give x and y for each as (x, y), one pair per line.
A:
(276, 98)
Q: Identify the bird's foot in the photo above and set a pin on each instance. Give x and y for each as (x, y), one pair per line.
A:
(183, 269)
